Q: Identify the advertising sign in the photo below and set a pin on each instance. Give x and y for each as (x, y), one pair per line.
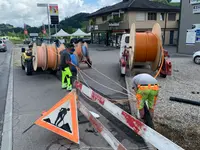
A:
(196, 9)
(198, 35)
(53, 9)
(191, 37)
(194, 1)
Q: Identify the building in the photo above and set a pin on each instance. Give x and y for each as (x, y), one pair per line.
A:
(189, 31)
(109, 23)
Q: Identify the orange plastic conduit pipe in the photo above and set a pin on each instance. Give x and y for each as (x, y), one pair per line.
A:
(41, 57)
(51, 57)
(146, 47)
(59, 49)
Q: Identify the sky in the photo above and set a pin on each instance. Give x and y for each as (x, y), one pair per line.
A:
(18, 12)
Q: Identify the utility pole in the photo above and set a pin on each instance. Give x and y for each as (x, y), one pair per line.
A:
(47, 6)
(48, 21)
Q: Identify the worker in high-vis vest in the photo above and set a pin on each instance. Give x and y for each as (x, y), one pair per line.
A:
(65, 62)
(146, 88)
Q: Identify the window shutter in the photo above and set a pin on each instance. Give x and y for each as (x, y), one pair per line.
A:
(140, 16)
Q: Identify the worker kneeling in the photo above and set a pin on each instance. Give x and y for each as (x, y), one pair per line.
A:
(65, 62)
(147, 89)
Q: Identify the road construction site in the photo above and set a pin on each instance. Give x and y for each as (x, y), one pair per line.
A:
(39, 92)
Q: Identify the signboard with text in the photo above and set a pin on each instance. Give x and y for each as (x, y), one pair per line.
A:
(194, 1)
(196, 9)
(54, 13)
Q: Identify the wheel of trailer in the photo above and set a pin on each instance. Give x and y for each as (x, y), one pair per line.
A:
(54, 72)
(28, 68)
(163, 75)
(23, 68)
(197, 60)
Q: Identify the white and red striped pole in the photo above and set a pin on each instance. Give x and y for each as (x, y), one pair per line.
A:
(114, 143)
(150, 135)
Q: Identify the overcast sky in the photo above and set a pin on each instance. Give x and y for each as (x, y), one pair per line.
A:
(18, 12)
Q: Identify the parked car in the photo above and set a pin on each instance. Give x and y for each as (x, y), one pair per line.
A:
(3, 46)
(196, 57)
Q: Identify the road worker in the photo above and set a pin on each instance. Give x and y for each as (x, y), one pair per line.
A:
(65, 62)
(146, 88)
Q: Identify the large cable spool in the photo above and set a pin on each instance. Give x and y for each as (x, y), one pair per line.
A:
(75, 61)
(85, 43)
(51, 57)
(40, 55)
(78, 50)
(59, 49)
(145, 47)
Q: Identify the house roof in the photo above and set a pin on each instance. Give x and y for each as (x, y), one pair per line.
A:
(139, 5)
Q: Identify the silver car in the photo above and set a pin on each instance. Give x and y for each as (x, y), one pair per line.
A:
(2, 46)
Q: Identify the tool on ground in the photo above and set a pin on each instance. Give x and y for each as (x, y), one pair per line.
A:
(181, 100)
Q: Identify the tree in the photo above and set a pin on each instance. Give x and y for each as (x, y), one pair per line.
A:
(163, 1)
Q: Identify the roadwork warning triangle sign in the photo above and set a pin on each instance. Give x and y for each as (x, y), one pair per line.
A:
(62, 118)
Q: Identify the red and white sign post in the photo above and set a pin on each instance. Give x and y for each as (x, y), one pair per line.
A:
(148, 134)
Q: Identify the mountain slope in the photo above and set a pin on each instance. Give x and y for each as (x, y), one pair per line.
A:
(69, 24)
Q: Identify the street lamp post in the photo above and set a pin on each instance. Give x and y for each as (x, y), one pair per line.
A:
(46, 5)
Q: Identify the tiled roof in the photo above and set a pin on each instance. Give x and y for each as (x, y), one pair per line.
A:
(136, 5)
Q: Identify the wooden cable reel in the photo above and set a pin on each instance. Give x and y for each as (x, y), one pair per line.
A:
(59, 49)
(39, 59)
(145, 47)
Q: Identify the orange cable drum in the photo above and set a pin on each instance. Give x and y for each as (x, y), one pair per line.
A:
(39, 60)
(145, 47)
(51, 57)
(78, 49)
(59, 49)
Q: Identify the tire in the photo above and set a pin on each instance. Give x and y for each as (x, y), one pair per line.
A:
(54, 72)
(163, 75)
(28, 68)
(23, 68)
(197, 60)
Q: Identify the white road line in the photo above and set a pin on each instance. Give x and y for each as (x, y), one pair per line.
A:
(6, 143)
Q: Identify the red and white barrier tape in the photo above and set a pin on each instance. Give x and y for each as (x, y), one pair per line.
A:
(150, 135)
(114, 143)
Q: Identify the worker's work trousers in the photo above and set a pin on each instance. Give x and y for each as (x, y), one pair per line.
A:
(66, 76)
(147, 93)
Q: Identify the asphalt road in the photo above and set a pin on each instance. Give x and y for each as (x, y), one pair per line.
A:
(33, 94)
(5, 58)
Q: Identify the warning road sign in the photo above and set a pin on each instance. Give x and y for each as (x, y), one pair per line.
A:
(62, 118)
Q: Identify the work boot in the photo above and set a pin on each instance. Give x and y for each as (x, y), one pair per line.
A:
(69, 88)
(64, 86)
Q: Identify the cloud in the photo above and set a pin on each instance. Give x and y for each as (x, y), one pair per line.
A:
(18, 12)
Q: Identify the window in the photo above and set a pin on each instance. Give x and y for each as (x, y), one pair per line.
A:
(140, 16)
(162, 16)
(172, 16)
(104, 18)
(152, 16)
(122, 16)
(127, 39)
